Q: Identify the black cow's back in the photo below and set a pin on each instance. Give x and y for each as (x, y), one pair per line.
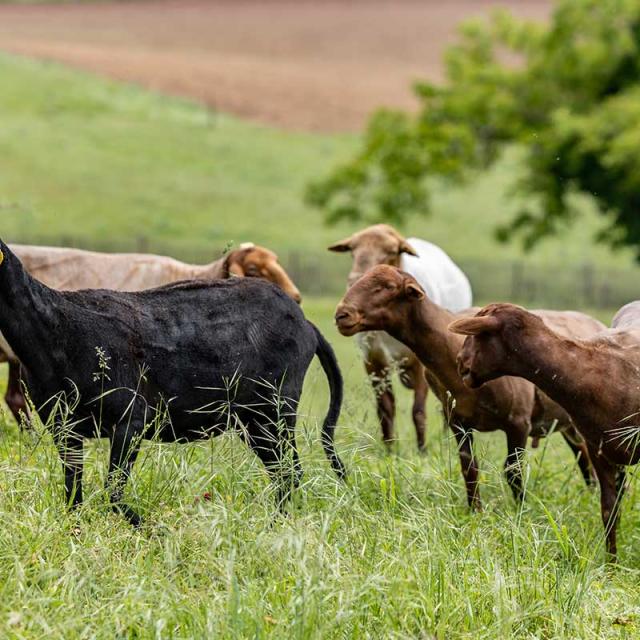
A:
(188, 346)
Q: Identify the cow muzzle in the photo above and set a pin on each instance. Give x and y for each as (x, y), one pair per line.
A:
(347, 320)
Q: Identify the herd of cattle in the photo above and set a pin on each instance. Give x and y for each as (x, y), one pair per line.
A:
(130, 347)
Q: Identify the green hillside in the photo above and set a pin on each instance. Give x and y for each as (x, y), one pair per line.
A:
(90, 161)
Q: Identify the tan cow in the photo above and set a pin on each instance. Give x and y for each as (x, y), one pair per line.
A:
(74, 269)
(444, 283)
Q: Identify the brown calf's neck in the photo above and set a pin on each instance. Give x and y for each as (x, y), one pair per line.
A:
(424, 329)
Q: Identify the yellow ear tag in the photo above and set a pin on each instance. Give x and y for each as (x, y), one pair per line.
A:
(1, 257)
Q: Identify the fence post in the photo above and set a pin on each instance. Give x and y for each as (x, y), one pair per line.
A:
(142, 244)
(587, 284)
(517, 273)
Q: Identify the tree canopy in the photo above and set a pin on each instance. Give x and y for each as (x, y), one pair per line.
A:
(567, 93)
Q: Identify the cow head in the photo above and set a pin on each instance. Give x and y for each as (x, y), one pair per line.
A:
(379, 244)
(379, 300)
(491, 347)
(252, 261)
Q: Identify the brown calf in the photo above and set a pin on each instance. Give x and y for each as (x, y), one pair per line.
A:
(597, 381)
(388, 299)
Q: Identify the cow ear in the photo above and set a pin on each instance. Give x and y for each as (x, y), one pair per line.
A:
(476, 325)
(232, 266)
(405, 247)
(235, 269)
(342, 246)
(413, 290)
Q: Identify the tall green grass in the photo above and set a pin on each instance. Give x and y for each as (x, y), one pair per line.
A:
(393, 554)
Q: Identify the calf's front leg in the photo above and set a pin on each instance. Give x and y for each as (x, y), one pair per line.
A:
(386, 403)
(516, 445)
(612, 485)
(580, 451)
(71, 450)
(468, 465)
(416, 380)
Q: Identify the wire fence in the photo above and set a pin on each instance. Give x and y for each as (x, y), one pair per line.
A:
(585, 285)
(550, 285)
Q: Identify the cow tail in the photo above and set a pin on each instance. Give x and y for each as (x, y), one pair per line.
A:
(329, 363)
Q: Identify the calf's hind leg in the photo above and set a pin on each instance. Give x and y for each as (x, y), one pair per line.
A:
(125, 446)
(274, 443)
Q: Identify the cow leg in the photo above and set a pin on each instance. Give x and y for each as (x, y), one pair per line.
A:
(609, 477)
(71, 449)
(580, 451)
(468, 465)
(14, 396)
(274, 444)
(378, 373)
(125, 446)
(516, 446)
(621, 482)
(418, 382)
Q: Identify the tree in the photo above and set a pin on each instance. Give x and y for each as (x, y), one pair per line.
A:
(566, 93)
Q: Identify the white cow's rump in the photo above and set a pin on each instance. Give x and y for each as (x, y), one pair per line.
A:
(441, 278)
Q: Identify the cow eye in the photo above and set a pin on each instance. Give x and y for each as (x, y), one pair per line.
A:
(252, 271)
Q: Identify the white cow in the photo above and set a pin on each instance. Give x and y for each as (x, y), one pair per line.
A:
(444, 283)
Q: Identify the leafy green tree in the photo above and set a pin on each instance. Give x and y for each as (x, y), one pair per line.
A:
(567, 93)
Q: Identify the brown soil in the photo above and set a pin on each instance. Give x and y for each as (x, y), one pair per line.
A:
(322, 65)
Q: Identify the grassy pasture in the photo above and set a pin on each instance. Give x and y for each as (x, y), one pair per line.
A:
(395, 554)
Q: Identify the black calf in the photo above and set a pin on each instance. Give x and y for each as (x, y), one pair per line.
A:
(182, 362)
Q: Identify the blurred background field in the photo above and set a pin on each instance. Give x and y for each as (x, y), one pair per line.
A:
(290, 64)
(93, 163)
